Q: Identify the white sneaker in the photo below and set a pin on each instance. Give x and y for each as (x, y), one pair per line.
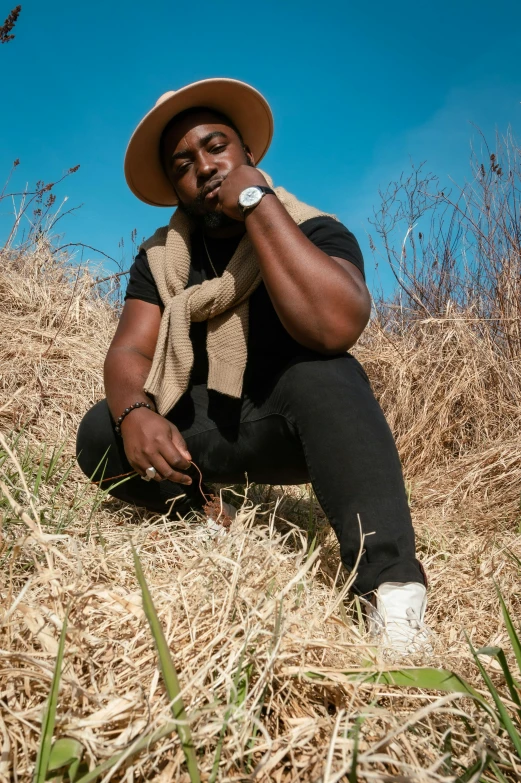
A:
(397, 619)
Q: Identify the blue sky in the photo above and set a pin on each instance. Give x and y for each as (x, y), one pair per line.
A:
(357, 91)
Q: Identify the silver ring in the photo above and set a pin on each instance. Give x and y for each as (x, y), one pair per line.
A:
(149, 474)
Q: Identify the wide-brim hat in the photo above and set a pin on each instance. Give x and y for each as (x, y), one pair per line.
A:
(242, 104)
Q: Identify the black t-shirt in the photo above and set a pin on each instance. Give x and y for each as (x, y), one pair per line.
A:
(270, 346)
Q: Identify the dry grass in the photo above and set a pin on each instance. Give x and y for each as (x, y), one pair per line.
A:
(243, 617)
(453, 401)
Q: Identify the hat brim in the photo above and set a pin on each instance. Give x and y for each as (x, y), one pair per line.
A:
(243, 104)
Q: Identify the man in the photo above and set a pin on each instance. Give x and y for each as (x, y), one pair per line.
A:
(232, 348)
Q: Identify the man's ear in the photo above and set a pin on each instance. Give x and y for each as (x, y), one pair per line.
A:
(173, 188)
(169, 177)
(249, 155)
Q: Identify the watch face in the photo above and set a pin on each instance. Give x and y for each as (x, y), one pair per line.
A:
(250, 197)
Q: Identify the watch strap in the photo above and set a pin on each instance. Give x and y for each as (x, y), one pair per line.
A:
(264, 189)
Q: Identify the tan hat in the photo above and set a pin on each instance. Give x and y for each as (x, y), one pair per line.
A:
(244, 106)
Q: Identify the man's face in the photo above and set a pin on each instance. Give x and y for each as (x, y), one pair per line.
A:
(198, 153)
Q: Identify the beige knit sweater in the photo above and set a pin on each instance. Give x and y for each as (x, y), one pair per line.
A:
(223, 301)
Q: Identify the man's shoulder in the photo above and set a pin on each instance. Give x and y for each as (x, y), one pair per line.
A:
(157, 239)
(321, 221)
(330, 235)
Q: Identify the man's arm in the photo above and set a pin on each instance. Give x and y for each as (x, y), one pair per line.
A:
(322, 301)
(148, 438)
(130, 355)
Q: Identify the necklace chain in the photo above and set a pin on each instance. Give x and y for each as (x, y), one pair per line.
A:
(209, 257)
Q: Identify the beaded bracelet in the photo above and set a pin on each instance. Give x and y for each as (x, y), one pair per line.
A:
(129, 410)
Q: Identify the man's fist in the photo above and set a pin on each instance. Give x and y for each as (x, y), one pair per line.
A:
(152, 441)
(231, 188)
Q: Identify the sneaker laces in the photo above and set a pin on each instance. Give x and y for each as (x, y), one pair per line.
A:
(398, 633)
(413, 618)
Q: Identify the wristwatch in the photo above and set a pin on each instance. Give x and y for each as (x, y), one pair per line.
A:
(252, 196)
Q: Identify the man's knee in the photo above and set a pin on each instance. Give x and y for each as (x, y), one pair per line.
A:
(312, 378)
(95, 439)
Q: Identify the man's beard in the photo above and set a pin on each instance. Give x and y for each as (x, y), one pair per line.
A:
(209, 220)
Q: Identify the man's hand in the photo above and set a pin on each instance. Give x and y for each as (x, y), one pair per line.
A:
(151, 440)
(231, 188)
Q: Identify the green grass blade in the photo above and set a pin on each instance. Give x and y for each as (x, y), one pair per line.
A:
(425, 678)
(312, 525)
(103, 461)
(53, 462)
(39, 473)
(25, 459)
(359, 615)
(62, 481)
(66, 753)
(169, 673)
(497, 652)
(497, 772)
(447, 753)
(49, 716)
(143, 743)
(240, 688)
(251, 742)
(78, 767)
(479, 766)
(512, 633)
(502, 710)
(514, 557)
(353, 777)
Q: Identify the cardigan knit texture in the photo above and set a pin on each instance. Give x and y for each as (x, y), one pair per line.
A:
(223, 301)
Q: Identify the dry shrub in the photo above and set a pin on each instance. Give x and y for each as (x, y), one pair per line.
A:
(444, 355)
(243, 615)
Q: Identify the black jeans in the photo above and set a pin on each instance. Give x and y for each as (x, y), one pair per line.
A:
(317, 422)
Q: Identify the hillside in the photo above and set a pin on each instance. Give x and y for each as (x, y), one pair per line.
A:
(248, 619)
